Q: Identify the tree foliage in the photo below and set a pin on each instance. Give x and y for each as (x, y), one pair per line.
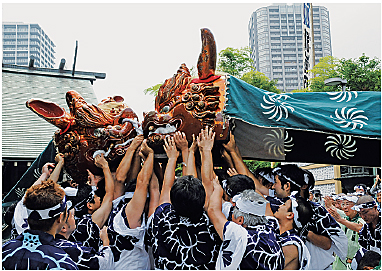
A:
(259, 80)
(362, 74)
(235, 61)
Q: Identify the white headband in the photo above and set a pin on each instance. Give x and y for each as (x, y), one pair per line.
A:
(295, 212)
(351, 198)
(49, 212)
(366, 205)
(269, 177)
(256, 207)
(129, 195)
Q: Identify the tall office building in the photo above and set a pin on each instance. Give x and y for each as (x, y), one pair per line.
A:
(22, 40)
(276, 42)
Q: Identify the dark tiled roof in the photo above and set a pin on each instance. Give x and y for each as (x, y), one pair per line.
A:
(25, 134)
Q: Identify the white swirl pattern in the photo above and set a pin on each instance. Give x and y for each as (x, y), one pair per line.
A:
(341, 95)
(341, 146)
(350, 117)
(275, 141)
(275, 106)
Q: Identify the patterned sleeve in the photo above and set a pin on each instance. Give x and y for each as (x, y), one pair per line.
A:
(323, 223)
(233, 247)
(87, 232)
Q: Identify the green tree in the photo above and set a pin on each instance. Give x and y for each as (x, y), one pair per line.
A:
(254, 164)
(259, 80)
(235, 61)
(362, 74)
(326, 68)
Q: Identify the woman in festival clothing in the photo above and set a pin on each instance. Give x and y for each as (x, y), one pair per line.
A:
(36, 248)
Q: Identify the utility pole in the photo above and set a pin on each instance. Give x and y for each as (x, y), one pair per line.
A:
(75, 58)
(311, 23)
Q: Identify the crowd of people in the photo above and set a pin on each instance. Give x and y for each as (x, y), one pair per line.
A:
(142, 216)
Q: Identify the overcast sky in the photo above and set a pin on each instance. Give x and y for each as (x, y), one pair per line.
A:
(141, 45)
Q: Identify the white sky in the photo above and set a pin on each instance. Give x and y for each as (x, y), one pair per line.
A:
(141, 45)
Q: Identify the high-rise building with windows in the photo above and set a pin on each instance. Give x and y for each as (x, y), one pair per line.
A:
(22, 40)
(276, 42)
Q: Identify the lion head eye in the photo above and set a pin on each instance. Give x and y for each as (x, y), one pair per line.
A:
(165, 109)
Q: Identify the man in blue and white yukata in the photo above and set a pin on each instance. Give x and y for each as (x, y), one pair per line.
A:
(323, 235)
(249, 242)
(180, 232)
(292, 216)
(370, 234)
(36, 248)
(85, 257)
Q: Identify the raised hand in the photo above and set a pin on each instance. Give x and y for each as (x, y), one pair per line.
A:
(206, 139)
(170, 148)
(47, 169)
(137, 141)
(181, 141)
(59, 158)
(232, 172)
(194, 144)
(100, 161)
(230, 146)
(145, 149)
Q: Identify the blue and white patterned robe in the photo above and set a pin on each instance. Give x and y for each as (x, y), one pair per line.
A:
(87, 257)
(128, 244)
(35, 249)
(179, 244)
(291, 237)
(87, 232)
(371, 239)
(255, 247)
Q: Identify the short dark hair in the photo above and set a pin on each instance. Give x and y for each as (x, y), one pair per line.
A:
(311, 179)
(101, 191)
(305, 211)
(40, 197)
(294, 173)
(80, 199)
(238, 183)
(188, 196)
(370, 259)
(263, 171)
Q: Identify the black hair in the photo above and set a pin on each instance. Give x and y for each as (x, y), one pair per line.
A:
(238, 183)
(294, 173)
(260, 172)
(304, 209)
(101, 191)
(370, 259)
(222, 174)
(79, 201)
(311, 180)
(131, 185)
(188, 196)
